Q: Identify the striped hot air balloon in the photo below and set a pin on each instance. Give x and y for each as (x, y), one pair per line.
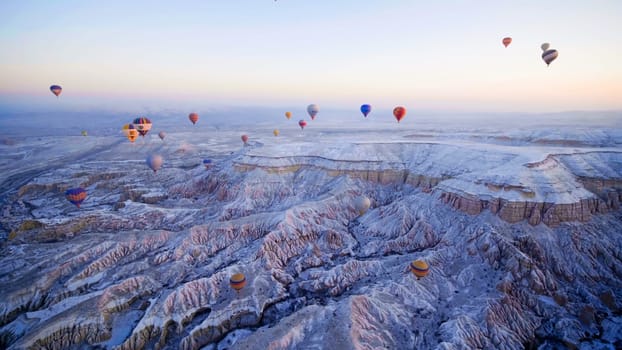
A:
(419, 268)
(549, 56)
(237, 281)
(56, 90)
(143, 125)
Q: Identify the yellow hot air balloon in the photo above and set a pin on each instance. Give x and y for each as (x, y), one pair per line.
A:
(84, 133)
(276, 132)
(419, 268)
(288, 115)
(125, 129)
(237, 282)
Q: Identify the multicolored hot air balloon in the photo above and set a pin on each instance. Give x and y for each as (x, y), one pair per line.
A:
(302, 124)
(245, 138)
(56, 89)
(131, 133)
(362, 204)
(193, 117)
(237, 282)
(399, 113)
(162, 135)
(549, 56)
(76, 195)
(207, 163)
(365, 109)
(419, 268)
(154, 161)
(506, 41)
(545, 46)
(276, 132)
(143, 125)
(288, 115)
(125, 129)
(313, 109)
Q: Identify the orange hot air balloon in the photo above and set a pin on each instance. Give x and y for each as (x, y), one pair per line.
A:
(131, 134)
(507, 41)
(244, 138)
(399, 113)
(193, 117)
(237, 281)
(419, 268)
(288, 115)
(76, 196)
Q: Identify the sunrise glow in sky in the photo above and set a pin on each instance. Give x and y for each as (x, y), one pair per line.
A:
(433, 55)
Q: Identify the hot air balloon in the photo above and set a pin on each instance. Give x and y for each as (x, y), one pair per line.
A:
(399, 113)
(207, 163)
(507, 41)
(365, 109)
(302, 124)
(545, 46)
(237, 282)
(313, 109)
(276, 132)
(143, 125)
(162, 135)
(84, 133)
(245, 138)
(56, 89)
(549, 56)
(154, 161)
(419, 268)
(131, 133)
(361, 204)
(193, 117)
(76, 195)
(288, 115)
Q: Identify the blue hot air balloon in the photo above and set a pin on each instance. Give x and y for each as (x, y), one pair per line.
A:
(365, 109)
(207, 163)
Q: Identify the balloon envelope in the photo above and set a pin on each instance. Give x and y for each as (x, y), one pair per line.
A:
(143, 125)
(302, 124)
(288, 115)
(365, 109)
(162, 135)
(193, 117)
(419, 268)
(56, 89)
(276, 132)
(399, 113)
(507, 41)
(313, 109)
(237, 281)
(132, 134)
(84, 133)
(361, 204)
(545, 46)
(244, 138)
(549, 56)
(154, 161)
(76, 195)
(207, 163)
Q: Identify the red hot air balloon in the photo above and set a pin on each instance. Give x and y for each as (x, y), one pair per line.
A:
(399, 113)
(245, 138)
(76, 196)
(193, 117)
(507, 41)
(302, 124)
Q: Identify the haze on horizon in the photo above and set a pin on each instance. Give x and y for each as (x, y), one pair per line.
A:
(426, 56)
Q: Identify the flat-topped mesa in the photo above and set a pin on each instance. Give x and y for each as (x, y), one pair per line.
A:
(519, 185)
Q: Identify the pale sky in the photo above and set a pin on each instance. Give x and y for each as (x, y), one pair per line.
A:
(428, 55)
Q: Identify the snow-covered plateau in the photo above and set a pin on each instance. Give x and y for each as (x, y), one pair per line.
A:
(522, 230)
